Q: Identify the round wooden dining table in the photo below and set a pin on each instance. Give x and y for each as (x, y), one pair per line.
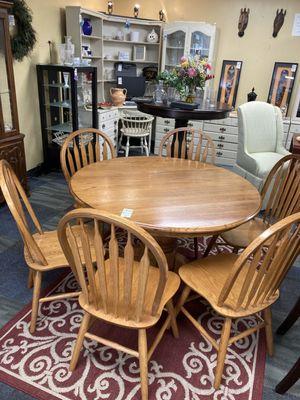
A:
(168, 196)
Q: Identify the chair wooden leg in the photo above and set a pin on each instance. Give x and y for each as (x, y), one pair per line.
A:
(85, 323)
(143, 357)
(210, 245)
(185, 294)
(235, 250)
(294, 314)
(196, 253)
(222, 352)
(268, 328)
(290, 379)
(127, 147)
(146, 147)
(30, 278)
(35, 299)
(171, 312)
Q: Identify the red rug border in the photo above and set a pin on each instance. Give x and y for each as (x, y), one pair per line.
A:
(30, 390)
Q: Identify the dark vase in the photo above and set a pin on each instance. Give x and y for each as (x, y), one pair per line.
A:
(87, 28)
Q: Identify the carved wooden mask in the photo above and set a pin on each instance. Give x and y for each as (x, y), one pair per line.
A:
(278, 21)
(243, 21)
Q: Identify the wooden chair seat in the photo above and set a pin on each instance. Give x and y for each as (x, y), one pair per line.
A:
(207, 277)
(126, 317)
(243, 235)
(49, 245)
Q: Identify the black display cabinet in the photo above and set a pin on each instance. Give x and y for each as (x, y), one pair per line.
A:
(65, 92)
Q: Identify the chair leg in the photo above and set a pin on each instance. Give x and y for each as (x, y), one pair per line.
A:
(290, 379)
(146, 147)
(294, 314)
(171, 312)
(127, 147)
(35, 299)
(196, 248)
(268, 328)
(142, 146)
(82, 331)
(185, 294)
(222, 352)
(210, 245)
(30, 278)
(143, 357)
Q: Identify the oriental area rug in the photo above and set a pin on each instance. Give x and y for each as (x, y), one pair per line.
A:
(180, 369)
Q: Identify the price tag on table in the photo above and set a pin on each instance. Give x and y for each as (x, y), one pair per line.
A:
(127, 212)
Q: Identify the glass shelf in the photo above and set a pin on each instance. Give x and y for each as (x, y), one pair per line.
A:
(65, 127)
(133, 61)
(63, 104)
(130, 42)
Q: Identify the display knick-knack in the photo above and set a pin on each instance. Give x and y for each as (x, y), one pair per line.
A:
(251, 95)
(87, 27)
(152, 37)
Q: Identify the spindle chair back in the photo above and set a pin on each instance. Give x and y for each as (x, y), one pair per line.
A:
(84, 147)
(188, 143)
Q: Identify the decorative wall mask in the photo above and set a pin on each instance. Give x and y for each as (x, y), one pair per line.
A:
(243, 21)
(278, 21)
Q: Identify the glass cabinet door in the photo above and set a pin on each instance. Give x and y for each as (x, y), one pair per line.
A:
(200, 44)
(6, 112)
(175, 44)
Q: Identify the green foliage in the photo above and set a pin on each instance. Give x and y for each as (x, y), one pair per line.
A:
(24, 40)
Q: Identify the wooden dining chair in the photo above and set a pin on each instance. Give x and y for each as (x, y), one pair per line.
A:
(83, 147)
(42, 250)
(240, 286)
(188, 143)
(192, 144)
(118, 289)
(280, 197)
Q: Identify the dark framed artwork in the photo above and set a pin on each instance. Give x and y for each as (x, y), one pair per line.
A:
(229, 81)
(282, 84)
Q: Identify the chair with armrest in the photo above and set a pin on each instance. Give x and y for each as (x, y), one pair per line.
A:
(260, 136)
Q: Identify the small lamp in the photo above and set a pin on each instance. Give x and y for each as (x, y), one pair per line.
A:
(110, 7)
(162, 15)
(136, 10)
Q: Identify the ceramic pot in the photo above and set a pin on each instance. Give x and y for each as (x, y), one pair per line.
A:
(87, 27)
(118, 96)
(152, 37)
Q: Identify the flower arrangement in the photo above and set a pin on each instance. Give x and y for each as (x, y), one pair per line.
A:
(192, 72)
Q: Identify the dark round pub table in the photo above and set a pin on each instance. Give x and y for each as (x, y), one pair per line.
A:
(181, 116)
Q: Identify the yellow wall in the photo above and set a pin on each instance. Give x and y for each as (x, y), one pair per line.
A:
(257, 49)
(49, 23)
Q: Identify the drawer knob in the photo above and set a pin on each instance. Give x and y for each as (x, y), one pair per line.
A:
(222, 129)
(219, 153)
(221, 137)
(115, 131)
(220, 145)
(190, 124)
(166, 130)
(103, 126)
(115, 122)
(167, 121)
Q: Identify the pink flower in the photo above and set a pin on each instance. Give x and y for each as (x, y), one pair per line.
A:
(183, 59)
(192, 72)
(208, 66)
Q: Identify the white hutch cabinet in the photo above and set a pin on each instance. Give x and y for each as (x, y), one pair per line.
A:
(187, 39)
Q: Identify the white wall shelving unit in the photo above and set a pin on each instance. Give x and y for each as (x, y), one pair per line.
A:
(105, 46)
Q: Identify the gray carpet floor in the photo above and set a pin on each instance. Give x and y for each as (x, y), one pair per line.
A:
(50, 200)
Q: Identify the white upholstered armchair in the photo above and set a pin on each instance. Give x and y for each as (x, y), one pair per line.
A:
(260, 139)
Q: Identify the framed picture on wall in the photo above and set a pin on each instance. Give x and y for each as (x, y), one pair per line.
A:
(296, 108)
(229, 81)
(282, 85)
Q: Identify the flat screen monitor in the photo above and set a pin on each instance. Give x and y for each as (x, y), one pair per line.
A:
(135, 85)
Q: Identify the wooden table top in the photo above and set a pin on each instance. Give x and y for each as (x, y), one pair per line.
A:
(168, 196)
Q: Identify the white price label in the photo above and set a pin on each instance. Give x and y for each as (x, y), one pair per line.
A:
(127, 212)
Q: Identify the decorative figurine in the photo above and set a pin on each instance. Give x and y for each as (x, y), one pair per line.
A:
(252, 95)
(162, 15)
(278, 21)
(243, 21)
(152, 37)
(136, 10)
(110, 7)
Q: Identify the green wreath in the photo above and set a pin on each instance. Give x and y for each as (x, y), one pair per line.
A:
(24, 40)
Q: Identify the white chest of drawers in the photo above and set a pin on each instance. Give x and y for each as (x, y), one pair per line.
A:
(224, 133)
